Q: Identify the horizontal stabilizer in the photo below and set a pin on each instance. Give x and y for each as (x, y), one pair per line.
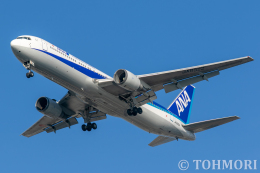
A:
(205, 125)
(161, 140)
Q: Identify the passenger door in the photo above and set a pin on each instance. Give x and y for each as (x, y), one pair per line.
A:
(44, 45)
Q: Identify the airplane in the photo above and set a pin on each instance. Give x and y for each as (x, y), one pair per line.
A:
(93, 94)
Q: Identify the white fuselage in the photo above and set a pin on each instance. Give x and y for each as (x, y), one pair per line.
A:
(79, 77)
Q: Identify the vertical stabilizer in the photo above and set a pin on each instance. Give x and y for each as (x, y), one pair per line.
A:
(181, 106)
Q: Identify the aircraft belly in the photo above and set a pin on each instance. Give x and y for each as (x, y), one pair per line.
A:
(75, 81)
(91, 94)
(153, 123)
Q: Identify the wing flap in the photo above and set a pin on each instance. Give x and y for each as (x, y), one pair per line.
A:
(174, 86)
(70, 122)
(98, 118)
(205, 125)
(161, 140)
(112, 87)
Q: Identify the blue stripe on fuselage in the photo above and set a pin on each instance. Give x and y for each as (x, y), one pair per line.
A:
(97, 76)
(160, 107)
(81, 69)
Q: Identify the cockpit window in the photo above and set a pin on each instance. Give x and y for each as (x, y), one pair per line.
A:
(26, 38)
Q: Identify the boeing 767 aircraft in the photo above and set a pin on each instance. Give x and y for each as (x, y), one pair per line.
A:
(92, 94)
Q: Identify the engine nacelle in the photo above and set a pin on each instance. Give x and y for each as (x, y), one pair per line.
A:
(127, 80)
(48, 107)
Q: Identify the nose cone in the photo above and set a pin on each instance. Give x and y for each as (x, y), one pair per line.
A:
(16, 49)
(14, 44)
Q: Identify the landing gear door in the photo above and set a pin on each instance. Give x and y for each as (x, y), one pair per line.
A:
(44, 45)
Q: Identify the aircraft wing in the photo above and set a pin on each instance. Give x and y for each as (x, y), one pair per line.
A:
(176, 79)
(71, 107)
(39, 126)
(157, 80)
(161, 140)
(205, 125)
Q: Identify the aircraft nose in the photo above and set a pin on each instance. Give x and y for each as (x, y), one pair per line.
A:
(14, 45)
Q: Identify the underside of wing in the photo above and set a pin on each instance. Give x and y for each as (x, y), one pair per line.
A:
(71, 104)
(110, 86)
(39, 126)
(72, 108)
(161, 140)
(205, 125)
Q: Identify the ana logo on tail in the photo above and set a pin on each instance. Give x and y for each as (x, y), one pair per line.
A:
(182, 102)
(181, 106)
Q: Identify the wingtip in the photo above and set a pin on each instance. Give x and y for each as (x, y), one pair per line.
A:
(237, 117)
(24, 135)
(250, 58)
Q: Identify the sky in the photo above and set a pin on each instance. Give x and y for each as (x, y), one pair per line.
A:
(143, 37)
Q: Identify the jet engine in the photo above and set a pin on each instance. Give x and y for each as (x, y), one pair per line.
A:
(48, 107)
(127, 80)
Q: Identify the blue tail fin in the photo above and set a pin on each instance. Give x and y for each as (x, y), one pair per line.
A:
(181, 106)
